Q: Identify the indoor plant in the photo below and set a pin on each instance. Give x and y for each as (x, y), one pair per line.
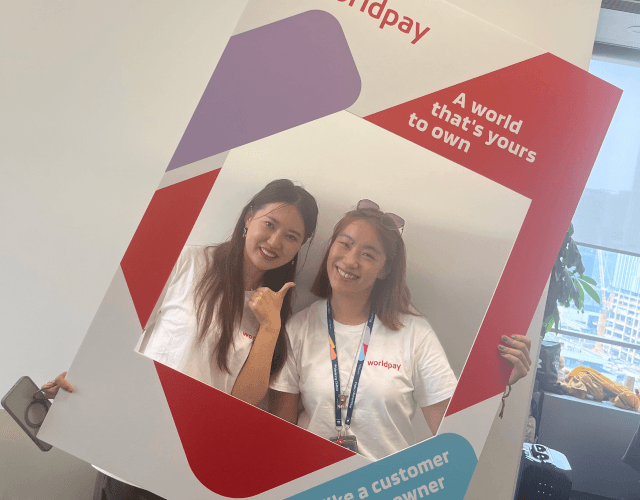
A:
(567, 284)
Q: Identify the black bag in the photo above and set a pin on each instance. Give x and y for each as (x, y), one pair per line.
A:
(544, 474)
(548, 365)
(537, 400)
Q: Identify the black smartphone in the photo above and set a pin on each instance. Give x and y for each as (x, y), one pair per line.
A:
(27, 406)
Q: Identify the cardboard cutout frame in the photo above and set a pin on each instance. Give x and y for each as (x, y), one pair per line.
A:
(577, 100)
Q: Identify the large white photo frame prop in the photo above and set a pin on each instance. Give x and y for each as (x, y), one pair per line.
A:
(465, 57)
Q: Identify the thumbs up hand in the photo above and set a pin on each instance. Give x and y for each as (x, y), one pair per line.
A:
(266, 305)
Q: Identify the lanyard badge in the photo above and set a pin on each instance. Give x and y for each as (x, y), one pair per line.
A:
(342, 401)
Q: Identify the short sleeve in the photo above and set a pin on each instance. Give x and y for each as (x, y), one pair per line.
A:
(288, 379)
(433, 378)
(141, 347)
(169, 328)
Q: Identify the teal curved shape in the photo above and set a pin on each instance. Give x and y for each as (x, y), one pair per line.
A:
(439, 468)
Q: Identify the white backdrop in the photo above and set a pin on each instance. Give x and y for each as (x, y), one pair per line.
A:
(460, 227)
(95, 98)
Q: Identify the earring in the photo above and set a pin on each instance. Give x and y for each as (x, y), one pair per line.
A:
(293, 262)
(244, 233)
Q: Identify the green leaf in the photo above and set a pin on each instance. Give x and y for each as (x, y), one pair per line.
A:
(567, 283)
(574, 259)
(592, 293)
(576, 294)
(548, 324)
(580, 291)
(591, 281)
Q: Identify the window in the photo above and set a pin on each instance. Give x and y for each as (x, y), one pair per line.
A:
(607, 225)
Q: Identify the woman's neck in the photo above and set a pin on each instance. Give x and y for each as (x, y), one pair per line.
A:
(252, 276)
(350, 310)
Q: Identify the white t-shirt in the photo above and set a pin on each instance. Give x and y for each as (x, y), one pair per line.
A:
(403, 369)
(171, 334)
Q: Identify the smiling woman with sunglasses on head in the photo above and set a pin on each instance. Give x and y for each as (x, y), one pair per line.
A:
(366, 340)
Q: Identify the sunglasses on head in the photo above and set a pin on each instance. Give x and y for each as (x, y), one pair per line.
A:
(388, 220)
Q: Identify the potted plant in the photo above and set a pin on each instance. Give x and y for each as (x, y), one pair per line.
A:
(568, 284)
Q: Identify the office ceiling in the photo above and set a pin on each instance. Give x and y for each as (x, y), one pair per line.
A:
(619, 23)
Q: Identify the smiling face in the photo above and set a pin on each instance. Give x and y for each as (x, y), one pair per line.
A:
(356, 260)
(274, 236)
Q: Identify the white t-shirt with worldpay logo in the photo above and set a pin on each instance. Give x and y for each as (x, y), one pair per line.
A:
(403, 369)
(170, 336)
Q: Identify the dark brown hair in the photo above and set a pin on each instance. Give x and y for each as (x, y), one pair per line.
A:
(390, 297)
(219, 293)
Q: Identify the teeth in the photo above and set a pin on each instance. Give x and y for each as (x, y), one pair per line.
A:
(268, 254)
(346, 275)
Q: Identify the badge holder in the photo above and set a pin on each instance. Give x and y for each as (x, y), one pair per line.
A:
(349, 442)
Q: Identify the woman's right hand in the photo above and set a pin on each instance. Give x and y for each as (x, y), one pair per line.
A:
(50, 389)
(266, 305)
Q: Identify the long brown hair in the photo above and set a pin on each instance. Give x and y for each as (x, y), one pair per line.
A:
(390, 297)
(219, 293)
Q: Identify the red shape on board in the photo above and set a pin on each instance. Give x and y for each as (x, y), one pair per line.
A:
(160, 237)
(204, 417)
(211, 424)
(565, 114)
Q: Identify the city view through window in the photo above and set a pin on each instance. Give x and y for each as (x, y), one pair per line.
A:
(616, 318)
(607, 222)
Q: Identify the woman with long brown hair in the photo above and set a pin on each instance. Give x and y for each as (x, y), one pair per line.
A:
(381, 349)
(222, 319)
(222, 314)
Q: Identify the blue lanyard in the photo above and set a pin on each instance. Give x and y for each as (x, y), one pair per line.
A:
(336, 373)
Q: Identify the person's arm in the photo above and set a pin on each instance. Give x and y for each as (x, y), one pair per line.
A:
(517, 354)
(253, 381)
(434, 414)
(284, 405)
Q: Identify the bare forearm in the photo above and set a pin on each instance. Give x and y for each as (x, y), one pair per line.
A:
(434, 414)
(284, 405)
(253, 381)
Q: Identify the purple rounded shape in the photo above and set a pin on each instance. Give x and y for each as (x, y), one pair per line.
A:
(270, 79)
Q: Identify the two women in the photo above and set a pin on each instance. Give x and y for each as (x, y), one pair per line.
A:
(365, 330)
(365, 340)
